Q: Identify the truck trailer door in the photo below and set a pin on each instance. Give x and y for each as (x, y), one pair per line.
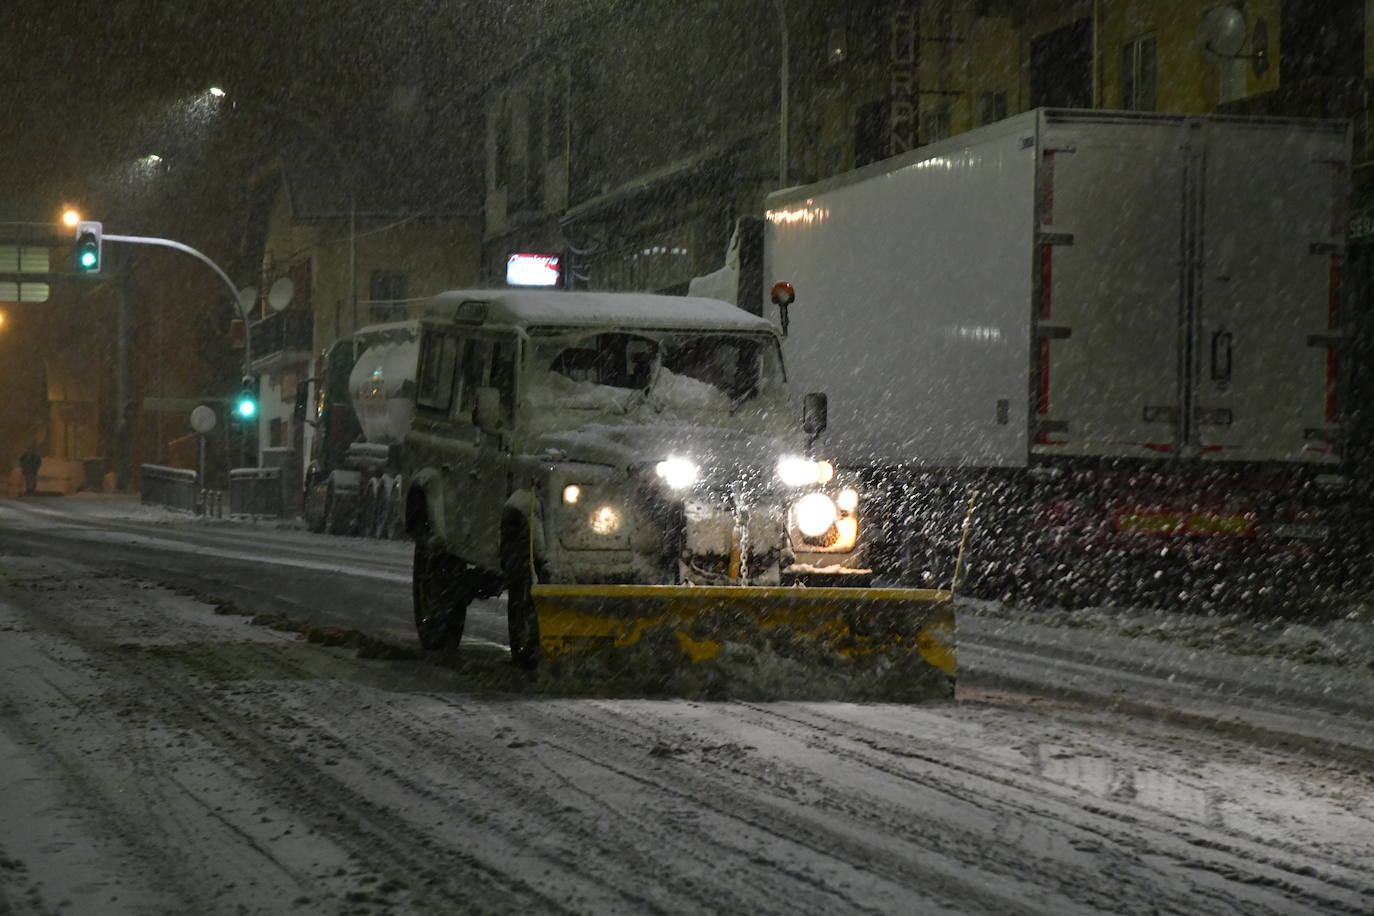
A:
(1113, 198)
(1265, 366)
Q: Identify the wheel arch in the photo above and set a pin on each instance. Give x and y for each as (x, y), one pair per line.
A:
(516, 517)
(424, 501)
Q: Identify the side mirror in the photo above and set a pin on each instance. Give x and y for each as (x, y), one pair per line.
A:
(487, 416)
(814, 409)
(301, 409)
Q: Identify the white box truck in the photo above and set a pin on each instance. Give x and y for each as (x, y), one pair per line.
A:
(1127, 327)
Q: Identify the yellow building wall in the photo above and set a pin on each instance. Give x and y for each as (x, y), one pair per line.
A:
(992, 52)
(434, 254)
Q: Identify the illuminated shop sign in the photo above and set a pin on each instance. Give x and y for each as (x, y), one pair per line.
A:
(525, 269)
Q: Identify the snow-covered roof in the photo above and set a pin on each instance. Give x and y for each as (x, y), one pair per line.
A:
(529, 308)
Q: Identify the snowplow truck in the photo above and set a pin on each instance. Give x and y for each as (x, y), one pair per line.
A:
(360, 406)
(632, 471)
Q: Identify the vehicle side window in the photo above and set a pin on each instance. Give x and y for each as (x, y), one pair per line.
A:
(476, 355)
(438, 357)
(503, 375)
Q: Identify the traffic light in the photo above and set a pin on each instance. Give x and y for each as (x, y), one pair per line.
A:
(88, 247)
(246, 401)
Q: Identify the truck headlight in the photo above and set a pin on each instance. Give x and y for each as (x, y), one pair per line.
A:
(605, 520)
(678, 473)
(815, 513)
(799, 472)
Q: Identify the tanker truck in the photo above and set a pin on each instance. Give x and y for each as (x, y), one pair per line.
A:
(361, 408)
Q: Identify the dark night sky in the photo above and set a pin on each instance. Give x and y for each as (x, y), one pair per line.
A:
(87, 83)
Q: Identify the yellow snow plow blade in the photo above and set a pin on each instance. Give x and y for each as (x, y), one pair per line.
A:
(849, 622)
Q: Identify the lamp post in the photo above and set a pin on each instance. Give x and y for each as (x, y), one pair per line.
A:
(784, 73)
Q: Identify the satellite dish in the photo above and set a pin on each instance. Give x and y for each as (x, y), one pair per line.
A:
(247, 296)
(279, 296)
(203, 419)
(1221, 34)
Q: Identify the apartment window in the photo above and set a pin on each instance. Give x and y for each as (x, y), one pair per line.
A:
(1061, 67)
(534, 155)
(992, 106)
(558, 121)
(1138, 74)
(1321, 40)
(501, 144)
(870, 133)
(935, 124)
(385, 290)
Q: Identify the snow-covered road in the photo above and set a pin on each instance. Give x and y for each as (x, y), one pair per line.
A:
(158, 756)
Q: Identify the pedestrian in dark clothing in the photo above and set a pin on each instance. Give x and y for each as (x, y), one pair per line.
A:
(29, 463)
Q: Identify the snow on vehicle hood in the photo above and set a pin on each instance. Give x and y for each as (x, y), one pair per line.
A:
(721, 454)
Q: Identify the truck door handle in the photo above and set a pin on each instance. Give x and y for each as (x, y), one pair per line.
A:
(1221, 356)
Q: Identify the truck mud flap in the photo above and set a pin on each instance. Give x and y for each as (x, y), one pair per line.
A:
(829, 625)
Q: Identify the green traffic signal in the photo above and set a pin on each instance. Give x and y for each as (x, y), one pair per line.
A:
(246, 401)
(88, 247)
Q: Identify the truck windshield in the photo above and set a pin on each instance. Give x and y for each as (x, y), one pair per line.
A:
(677, 371)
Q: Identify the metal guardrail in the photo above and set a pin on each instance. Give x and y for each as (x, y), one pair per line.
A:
(255, 491)
(171, 487)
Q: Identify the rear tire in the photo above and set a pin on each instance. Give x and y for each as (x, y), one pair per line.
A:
(395, 526)
(521, 618)
(368, 509)
(335, 519)
(442, 588)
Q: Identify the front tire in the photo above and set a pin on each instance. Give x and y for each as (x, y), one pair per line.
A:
(442, 589)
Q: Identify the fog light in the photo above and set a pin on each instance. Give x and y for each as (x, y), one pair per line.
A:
(815, 513)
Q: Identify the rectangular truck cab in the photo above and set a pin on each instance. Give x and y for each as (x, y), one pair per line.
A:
(618, 438)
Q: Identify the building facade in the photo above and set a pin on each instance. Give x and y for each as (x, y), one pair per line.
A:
(631, 150)
(334, 260)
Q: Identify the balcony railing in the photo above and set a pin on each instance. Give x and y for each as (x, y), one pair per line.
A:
(281, 334)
